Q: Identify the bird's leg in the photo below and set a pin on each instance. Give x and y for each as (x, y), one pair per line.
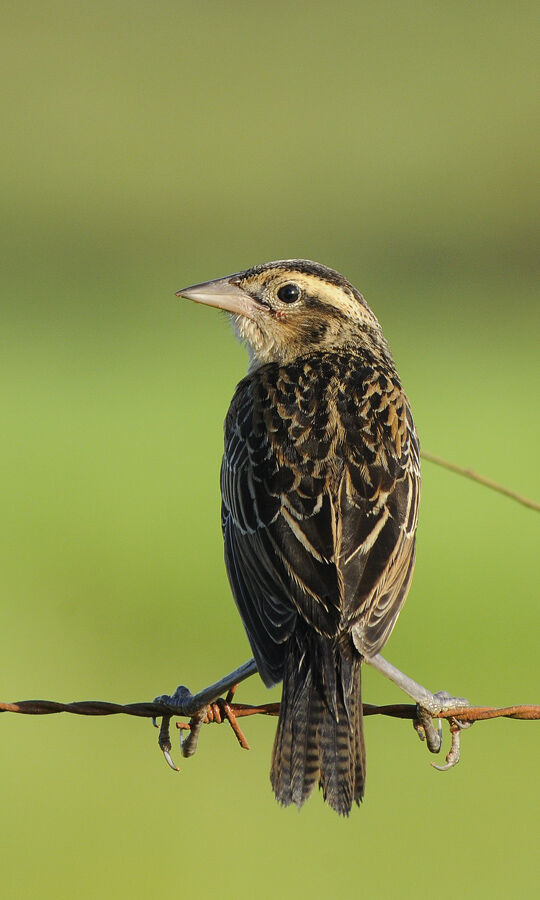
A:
(184, 703)
(428, 705)
(434, 704)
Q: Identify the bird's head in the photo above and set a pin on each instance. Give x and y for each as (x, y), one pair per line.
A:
(289, 308)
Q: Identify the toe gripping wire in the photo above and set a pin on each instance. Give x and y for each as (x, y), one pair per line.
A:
(426, 731)
(218, 711)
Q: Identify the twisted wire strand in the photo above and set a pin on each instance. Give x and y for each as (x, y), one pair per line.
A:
(214, 712)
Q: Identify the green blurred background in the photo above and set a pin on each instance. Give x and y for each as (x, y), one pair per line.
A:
(150, 146)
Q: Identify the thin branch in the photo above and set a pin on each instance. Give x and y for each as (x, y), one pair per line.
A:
(481, 479)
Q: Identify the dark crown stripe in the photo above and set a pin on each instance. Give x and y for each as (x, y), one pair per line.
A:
(306, 267)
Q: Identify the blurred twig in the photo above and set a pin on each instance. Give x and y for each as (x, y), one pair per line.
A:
(481, 479)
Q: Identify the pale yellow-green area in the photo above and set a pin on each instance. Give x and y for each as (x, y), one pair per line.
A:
(150, 146)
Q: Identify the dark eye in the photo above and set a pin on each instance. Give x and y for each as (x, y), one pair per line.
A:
(288, 293)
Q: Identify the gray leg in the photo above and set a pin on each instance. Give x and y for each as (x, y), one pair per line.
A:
(184, 703)
(434, 704)
(428, 704)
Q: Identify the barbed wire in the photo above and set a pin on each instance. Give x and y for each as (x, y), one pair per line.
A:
(146, 710)
(224, 710)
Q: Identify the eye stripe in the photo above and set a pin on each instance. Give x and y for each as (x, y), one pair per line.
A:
(326, 308)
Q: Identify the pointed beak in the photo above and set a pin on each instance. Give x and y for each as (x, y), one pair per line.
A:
(223, 293)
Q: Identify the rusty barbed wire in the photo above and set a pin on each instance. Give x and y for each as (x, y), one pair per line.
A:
(224, 710)
(147, 710)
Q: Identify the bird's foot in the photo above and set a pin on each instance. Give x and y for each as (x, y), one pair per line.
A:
(180, 703)
(183, 703)
(452, 757)
(177, 704)
(441, 703)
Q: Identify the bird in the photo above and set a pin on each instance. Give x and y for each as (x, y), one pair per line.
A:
(320, 485)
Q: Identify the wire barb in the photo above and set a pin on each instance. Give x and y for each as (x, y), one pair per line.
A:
(221, 710)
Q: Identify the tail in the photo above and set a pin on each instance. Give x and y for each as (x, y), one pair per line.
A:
(320, 737)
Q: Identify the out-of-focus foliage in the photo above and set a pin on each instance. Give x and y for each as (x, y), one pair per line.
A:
(146, 147)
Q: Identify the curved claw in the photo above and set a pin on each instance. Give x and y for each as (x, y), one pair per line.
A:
(452, 757)
(164, 742)
(169, 760)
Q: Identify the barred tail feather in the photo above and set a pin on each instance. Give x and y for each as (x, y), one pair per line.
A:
(319, 738)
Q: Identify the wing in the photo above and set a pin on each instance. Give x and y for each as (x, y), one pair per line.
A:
(378, 506)
(278, 518)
